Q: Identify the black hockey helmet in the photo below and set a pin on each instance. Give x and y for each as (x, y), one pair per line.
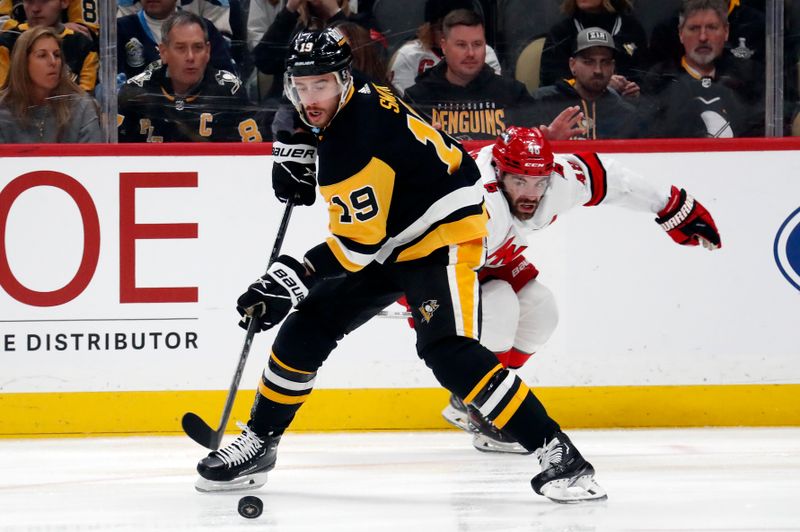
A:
(316, 53)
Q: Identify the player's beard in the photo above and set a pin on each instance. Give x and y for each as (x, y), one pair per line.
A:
(317, 115)
(527, 211)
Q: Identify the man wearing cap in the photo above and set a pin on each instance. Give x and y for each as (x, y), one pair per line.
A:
(606, 113)
(425, 52)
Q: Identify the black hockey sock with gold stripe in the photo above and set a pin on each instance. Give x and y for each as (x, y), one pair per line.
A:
(473, 373)
(504, 399)
(282, 390)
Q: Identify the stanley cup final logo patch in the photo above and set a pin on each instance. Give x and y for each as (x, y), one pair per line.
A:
(427, 309)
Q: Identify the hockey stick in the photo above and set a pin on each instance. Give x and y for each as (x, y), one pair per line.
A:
(192, 424)
(395, 314)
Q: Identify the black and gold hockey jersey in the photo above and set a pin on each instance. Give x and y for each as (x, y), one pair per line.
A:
(85, 12)
(81, 11)
(397, 189)
(689, 105)
(80, 54)
(217, 110)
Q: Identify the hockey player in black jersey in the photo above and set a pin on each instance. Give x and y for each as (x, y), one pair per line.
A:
(183, 99)
(406, 218)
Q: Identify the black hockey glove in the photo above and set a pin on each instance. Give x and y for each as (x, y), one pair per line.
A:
(273, 296)
(687, 222)
(294, 167)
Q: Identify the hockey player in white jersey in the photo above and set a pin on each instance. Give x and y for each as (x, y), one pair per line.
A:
(526, 188)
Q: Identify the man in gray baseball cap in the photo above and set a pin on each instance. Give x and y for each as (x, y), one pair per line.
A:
(595, 37)
(590, 37)
(606, 114)
(592, 62)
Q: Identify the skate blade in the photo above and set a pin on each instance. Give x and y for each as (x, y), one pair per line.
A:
(488, 445)
(571, 491)
(246, 482)
(457, 418)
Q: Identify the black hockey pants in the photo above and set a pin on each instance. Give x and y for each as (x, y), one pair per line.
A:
(443, 292)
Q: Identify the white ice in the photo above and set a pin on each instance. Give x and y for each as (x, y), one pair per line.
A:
(657, 480)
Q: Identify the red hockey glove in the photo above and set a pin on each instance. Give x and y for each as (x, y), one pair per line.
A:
(294, 171)
(272, 297)
(517, 273)
(687, 222)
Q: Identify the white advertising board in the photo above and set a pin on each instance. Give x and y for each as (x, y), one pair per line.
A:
(120, 273)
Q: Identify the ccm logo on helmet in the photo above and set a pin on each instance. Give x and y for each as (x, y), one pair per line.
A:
(787, 249)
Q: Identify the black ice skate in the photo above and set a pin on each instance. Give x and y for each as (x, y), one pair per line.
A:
(243, 464)
(488, 438)
(566, 477)
(455, 413)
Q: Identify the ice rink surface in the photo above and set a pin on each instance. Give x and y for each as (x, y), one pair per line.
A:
(657, 480)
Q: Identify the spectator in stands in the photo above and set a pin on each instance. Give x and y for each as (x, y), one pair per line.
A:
(139, 35)
(615, 17)
(606, 114)
(462, 94)
(701, 96)
(744, 57)
(260, 16)
(416, 56)
(217, 11)
(270, 53)
(367, 57)
(81, 16)
(465, 98)
(183, 99)
(745, 43)
(39, 103)
(5, 10)
(80, 51)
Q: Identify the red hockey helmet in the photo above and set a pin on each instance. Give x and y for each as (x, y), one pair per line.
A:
(523, 150)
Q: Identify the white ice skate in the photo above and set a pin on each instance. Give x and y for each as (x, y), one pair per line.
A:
(489, 439)
(456, 414)
(566, 476)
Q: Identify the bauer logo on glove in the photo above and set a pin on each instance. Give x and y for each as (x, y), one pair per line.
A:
(294, 169)
(273, 296)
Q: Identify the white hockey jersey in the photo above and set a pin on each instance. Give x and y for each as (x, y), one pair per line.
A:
(579, 179)
(412, 59)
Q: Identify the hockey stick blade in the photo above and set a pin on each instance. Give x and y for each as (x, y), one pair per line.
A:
(199, 431)
(192, 424)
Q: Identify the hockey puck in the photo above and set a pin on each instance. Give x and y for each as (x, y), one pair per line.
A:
(250, 507)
